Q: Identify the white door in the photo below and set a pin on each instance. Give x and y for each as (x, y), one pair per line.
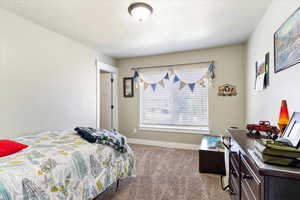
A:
(105, 100)
(115, 101)
(108, 101)
(107, 97)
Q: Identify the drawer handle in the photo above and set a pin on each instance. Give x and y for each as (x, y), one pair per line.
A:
(233, 172)
(246, 176)
(232, 192)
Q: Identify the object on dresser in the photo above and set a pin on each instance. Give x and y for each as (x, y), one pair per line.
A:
(263, 130)
(283, 117)
(277, 153)
(292, 131)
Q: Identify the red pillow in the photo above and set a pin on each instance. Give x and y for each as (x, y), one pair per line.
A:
(8, 147)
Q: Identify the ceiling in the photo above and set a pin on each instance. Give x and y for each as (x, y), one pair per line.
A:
(176, 25)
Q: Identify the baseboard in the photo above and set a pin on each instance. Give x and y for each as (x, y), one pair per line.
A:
(163, 144)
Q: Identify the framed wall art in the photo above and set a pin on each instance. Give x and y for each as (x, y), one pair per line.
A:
(128, 87)
(287, 43)
(262, 73)
(227, 90)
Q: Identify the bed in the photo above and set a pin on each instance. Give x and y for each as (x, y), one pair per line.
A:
(62, 166)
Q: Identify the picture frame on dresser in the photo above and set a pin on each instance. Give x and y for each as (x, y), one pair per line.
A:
(292, 131)
(287, 43)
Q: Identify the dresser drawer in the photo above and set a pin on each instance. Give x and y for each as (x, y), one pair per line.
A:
(250, 182)
(234, 181)
(234, 188)
(245, 193)
(234, 158)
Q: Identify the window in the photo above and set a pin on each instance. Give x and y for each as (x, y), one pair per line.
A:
(170, 107)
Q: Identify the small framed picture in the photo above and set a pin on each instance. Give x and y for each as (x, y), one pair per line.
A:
(128, 87)
(292, 131)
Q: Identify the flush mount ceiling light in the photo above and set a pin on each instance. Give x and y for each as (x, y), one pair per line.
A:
(140, 11)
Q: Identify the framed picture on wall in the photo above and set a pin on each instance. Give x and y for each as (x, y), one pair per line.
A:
(287, 43)
(128, 87)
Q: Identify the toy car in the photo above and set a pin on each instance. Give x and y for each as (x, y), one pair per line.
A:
(263, 126)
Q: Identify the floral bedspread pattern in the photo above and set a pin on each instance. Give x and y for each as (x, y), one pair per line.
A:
(61, 166)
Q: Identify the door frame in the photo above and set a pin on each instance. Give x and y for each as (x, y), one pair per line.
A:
(108, 68)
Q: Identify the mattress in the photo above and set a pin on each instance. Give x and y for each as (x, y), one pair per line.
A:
(61, 165)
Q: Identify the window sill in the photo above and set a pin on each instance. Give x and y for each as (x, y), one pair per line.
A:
(187, 130)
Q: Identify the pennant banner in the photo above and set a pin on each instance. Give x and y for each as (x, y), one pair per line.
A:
(192, 86)
(146, 85)
(172, 73)
(205, 80)
(211, 71)
(153, 85)
(176, 79)
(161, 83)
(201, 83)
(135, 75)
(141, 80)
(182, 85)
(167, 76)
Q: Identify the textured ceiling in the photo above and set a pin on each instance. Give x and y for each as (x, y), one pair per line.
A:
(176, 25)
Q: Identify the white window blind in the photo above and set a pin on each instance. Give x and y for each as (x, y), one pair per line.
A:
(169, 106)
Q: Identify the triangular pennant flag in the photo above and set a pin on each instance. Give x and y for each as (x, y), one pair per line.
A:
(176, 79)
(162, 83)
(192, 86)
(135, 75)
(211, 70)
(146, 85)
(182, 85)
(141, 80)
(172, 72)
(167, 76)
(153, 85)
(200, 82)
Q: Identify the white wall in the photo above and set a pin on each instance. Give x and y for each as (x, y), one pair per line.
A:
(223, 111)
(47, 81)
(265, 105)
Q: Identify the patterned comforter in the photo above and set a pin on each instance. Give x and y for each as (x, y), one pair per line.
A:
(61, 166)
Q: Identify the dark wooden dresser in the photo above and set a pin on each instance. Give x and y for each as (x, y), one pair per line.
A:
(251, 179)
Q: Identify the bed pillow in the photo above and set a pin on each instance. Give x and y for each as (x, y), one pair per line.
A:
(8, 147)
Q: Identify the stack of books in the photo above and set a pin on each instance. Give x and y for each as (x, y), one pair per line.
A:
(272, 152)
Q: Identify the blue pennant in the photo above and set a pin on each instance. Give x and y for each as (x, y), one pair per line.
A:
(192, 86)
(176, 79)
(136, 75)
(167, 76)
(211, 70)
(153, 85)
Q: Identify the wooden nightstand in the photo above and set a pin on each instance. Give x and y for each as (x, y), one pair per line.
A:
(211, 155)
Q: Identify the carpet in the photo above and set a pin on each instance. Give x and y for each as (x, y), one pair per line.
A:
(167, 174)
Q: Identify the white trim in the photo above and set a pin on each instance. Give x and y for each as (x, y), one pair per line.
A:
(107, 68)
(163, 144)
(175, 129)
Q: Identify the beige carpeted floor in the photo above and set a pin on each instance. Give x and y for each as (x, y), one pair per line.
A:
(167, 174)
